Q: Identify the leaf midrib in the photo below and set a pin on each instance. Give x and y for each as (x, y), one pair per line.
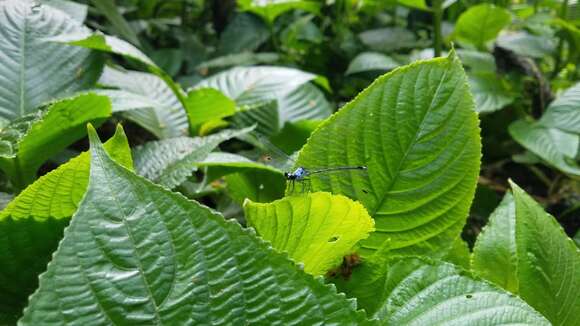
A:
(411, 145)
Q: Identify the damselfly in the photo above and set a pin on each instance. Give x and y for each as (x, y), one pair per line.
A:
(301, 174)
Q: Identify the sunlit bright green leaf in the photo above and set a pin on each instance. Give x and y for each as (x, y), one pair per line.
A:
(316, 229)
(417, 132)
(481, 24)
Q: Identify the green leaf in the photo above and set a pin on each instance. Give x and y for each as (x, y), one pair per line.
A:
(105, 43)
(77, 11)
(271, 9)
(206, 104)
(564, 112)
(170, 162)
(548, 262)
(527, 45)
(137, 253)
(239, 59)
(459, 254)
(28, 142)
(28, 60)
(166, 119)
(556, 147)
(294, 135)
(371, 61)
(317, 229)
(490, 91)
(481, 24)
(477, 61)
(245, 33)
(261, 186)
(221, 164)
(32, 224)
(388, 39)
(417, 132)
(494, 253)
(255, 86)
(416, 4)
(420, 292)
(110, 10)
(525, 250)
(111, 44)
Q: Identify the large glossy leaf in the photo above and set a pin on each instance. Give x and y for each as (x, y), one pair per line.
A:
(28, 61)
(564, 112)
(166, 119)
(32, 224)
(481, 24)
(170, 162)
(296, 98)
(490, 91)
(544, 262)
(316, 229)
(77, 11)
(137, 253)
(110, 44)
(271, 9)
(420, 292)
(494, 253)
(556, 147)
(29, 141)
(371, 61)
(417, 132)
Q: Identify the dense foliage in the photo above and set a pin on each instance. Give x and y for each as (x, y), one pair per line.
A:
(451, 130)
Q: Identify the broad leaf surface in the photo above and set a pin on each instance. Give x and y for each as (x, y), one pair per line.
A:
(477, 61)
(371, 61)
(166, 119)
(29, 141)
(111, 44)
(32, 224)
(388, 39)
(295, 97)
(28, 60)
(417, 132)
(525, 250)
(494, 253)
(526, 44)
(316, 229)
(206, 104)
(271, 9)
(245, 33)
(548, 262)
(481, 24)
(564, 112)
(77, 11)
(419, 292)
(170, 162)
(490, 92)
(556, 147)
(137, 253)
(221, 164)
(259, 186)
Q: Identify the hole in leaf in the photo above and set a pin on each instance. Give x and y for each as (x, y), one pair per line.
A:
(468, 296)
(333, 239)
